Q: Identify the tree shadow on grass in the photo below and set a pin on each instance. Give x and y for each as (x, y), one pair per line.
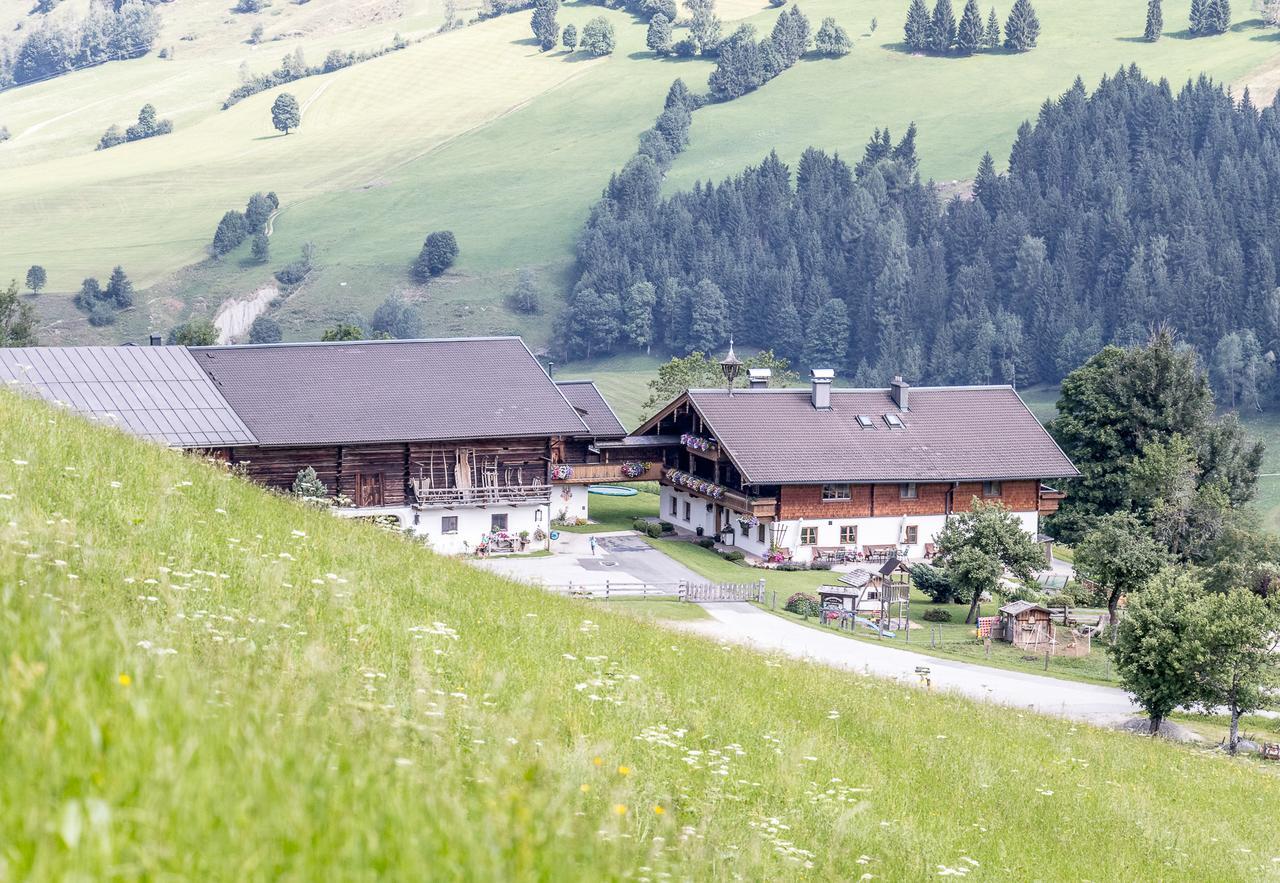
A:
(526, 41)
(1132, 40)
(273, 137)
(645, 54)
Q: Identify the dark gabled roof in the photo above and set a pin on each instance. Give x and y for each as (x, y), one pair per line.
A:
(1016, 607)
(156, 392)
(776, 436)
(592, 408)
(390, 391)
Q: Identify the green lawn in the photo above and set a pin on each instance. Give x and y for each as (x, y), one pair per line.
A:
(479, 132)
(651, 608)
(617, 513)
(206, 681)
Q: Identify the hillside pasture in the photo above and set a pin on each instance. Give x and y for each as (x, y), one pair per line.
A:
(478, 132)
(205, 680)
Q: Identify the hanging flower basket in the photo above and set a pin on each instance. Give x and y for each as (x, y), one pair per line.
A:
(749, 522)
(693, 483)
(561, 472)
(634, 470)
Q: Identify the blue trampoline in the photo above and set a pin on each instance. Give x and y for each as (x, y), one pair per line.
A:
(612, 490)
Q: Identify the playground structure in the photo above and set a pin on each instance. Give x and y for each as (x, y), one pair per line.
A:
(879, 600)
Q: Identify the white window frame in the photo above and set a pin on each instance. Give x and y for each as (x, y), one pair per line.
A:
(837, 493)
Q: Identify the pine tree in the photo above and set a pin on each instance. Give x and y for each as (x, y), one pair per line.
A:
(1220, 19)
(827, 337)
(991, 39)
(569, 38)
(969, 34)
(942, 27)
(120, 289)
(1023, 27)
(1198, 15)
(917, 27)
(1155, 21)
(544, 24)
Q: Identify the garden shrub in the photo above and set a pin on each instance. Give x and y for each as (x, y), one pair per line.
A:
(707, 543)
(641, 525)
(936, 614)
(803, 604)
(791, 566)
(935, 583)
(653, 529)
(819, 565)
(732, 555)
(667, 527)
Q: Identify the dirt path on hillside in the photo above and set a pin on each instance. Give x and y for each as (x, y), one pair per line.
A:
(1262, 83)
(236, 315)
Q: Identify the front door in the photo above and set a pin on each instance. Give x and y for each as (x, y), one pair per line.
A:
(369, 489)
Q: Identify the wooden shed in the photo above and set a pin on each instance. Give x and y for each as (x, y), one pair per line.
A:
(1027, 625)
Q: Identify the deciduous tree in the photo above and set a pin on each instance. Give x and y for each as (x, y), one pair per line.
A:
(1239, 635)
(285, 113)
(544, 23)
(994, 531)
(265, 330)
(1121, 557)
(832, 40)
(439, 251)
(598, 38)
(1157, 647)
(658, 37)
(396, 318)
(36, 278)
(196, 332)
(17, 319)
(569, 37)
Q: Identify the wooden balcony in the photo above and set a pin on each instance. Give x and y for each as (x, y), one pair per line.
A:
(1050, 499)
(608, 473)
(447, 498)
(761, 507)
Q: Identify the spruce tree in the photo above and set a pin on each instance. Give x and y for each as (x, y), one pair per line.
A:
(569, 38)
(544, 24)
(942, 27)
(1219, 16)
(120, 289)
(1198, 16)
(969, 35)
(917, 28)
(1155, 21)
(832, 40)
(991, 39)
(1023, 27)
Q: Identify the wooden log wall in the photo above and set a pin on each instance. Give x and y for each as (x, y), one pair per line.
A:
(338, 467)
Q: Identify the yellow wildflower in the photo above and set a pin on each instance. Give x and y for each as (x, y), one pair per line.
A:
(124, 680)
(619, 809)
(584, 787)
(597, 760)
(624, 770)
(657, 810)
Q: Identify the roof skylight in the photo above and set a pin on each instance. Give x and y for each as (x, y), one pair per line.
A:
(894, 421)
(865, 422)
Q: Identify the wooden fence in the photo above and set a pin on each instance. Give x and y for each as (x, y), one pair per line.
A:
(681, 591)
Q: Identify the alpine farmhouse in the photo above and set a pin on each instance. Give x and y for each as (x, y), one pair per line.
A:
(466, 442)
(798, 473)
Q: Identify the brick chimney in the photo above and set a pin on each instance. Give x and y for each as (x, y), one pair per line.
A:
(820, 385)
(898, 391)
(758, 378)
(154, 340)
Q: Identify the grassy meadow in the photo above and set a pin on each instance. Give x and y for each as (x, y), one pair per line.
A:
(204, 680)
(477, 131)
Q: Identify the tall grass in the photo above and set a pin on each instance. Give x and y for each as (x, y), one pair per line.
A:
(200, 680)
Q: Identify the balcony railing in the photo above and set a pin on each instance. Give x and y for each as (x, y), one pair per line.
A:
(761, 507)
(594, 473)
(480, 496)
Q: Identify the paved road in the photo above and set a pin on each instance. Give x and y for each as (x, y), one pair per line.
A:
(619, 557)
(744, 624)
(624, 557)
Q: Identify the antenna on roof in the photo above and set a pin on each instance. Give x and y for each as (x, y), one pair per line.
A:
(730, 366)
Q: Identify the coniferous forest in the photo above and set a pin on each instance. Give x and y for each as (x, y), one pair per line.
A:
(1122, 209)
